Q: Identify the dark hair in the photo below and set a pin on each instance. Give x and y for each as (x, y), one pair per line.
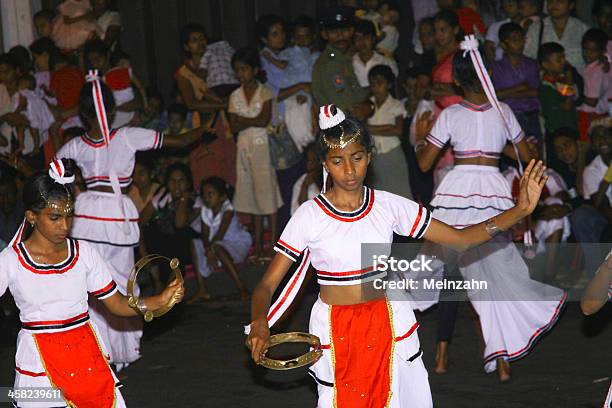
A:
(265, 24)
(47, 14)
(506, 30)
(22, 55)
(41, 188)
(597, 37)
(96, 46)
(366, 28)
(565, 132)
(427, 20)
(250, 57)
(183, 168)
(465, 74)
(450, 18)
(87, 108)
(43, 45)
(599, 5)
(179, 109)
(10, 60)
(304, 21)
(186, 32)
(218, 184)
(383, 71)
(72, 132)
(117, 56)
(28, 77)
(547, 50)
(57, 57)
(189, 29)
(347, 127)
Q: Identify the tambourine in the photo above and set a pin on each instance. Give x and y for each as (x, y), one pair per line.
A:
(133, 300)
(294, 337)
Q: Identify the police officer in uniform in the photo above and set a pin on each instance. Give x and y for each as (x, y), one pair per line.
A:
(333, 78)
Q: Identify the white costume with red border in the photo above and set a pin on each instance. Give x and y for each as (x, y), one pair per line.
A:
(332, 241)
(53, 299)
(110, 222)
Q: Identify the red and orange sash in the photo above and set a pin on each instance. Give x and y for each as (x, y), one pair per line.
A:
(75, 364)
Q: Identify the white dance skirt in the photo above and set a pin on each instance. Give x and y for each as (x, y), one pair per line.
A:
(101, 218)
(514, 310)
(470, 194)
(121, 334)
(409, 378)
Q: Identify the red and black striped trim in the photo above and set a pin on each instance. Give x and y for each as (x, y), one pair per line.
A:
(62, 267)
(535, 337)
(105, 181)
(364, 210)
(105, 291)
(96, 143)
(287, 250)
(56, 324)
(475, 108)
(159, 140)
(349, 275)
(423, 212)
(435, 141)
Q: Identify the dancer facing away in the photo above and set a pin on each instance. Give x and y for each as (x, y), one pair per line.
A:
(517, 310)
(50, 277)
(104, 215)
(371, 352)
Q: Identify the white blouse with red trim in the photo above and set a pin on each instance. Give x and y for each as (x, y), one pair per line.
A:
(54, 297)
(91, 156)
(475, 130)
(333, 239)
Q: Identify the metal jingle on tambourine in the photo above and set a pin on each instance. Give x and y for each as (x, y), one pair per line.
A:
(132, 301)
(308, 358)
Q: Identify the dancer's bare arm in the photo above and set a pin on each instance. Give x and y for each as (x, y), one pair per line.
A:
(257, 340)
(532, 183)
(118, 304)
(596, 294)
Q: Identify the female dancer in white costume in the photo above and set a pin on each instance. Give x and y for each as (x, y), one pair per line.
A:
(371, 351)
(514, 311)
(104, 215)
(51, 277)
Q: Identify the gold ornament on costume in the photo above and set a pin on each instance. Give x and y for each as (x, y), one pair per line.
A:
(135, 302)
(308, 358)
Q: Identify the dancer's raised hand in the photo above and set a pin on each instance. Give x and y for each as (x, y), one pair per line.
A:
(532, 184)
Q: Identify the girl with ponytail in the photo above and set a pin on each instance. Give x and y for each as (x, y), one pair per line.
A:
(51, 276)
(104, 215)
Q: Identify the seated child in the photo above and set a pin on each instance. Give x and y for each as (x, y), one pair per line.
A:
(225, 242)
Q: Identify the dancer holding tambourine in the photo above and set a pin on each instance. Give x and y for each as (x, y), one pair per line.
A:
(50, 277)
(371, 356)
(104, 215)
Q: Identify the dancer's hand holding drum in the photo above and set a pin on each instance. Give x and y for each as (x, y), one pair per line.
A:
(531, 186)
